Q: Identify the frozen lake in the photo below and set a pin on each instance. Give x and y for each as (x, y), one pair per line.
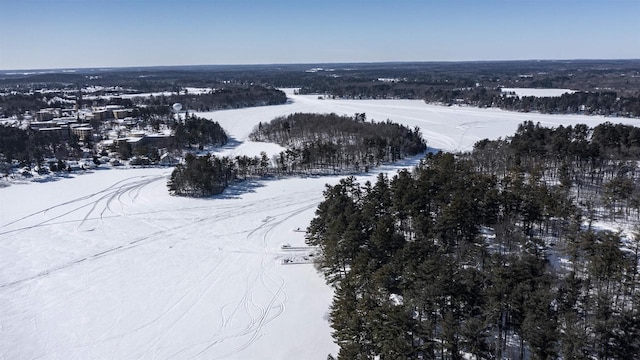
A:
(108, 265)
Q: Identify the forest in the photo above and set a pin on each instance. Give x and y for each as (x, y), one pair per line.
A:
(198, 131)
(231, 97)
(227, 97)
(31, 147)
(493, 253)
(608, 103)
(201, 176)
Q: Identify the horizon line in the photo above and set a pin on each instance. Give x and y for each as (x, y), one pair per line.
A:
(123, 67)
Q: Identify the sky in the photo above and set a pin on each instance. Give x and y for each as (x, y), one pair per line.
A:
(57, 34)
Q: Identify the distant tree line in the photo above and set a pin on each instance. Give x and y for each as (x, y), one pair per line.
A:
(474, 83)
(585, 75)
(18, 104)
(608, 103)
(448, 261)
(330, 141)
(592, 103)
(230, 97)
(373, 89)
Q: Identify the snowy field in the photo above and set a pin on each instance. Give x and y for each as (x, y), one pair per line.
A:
(107, 265)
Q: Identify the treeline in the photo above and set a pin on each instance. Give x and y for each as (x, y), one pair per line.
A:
(330, 141)
(19, 104)
(465, 91)
(201, 176)
(449, 261)
(592, 103)
(230, 97)
(597, 166)
(32, 147)
(375, 89)
(198, 131)
(607, 103)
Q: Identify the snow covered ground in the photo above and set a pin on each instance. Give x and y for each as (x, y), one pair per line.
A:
(108, 265)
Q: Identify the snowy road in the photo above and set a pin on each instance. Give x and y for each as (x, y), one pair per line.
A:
(108, 265)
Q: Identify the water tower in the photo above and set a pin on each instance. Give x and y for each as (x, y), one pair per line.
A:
(176, 108)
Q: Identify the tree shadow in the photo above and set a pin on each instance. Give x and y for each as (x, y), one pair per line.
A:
(238, 188)
(232, 143)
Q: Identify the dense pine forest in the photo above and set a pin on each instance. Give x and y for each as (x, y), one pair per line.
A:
(198, 131)
(492, 253)
(201, 176)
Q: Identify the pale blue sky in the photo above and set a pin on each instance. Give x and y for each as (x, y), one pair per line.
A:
(42, 34)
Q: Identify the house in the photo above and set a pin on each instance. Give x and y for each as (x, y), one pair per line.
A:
(168, 160)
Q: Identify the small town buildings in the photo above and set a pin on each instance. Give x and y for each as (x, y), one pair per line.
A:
(82, 132)
(121, 113)
(45, 115)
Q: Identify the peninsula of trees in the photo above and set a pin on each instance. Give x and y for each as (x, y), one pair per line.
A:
(490, 253)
